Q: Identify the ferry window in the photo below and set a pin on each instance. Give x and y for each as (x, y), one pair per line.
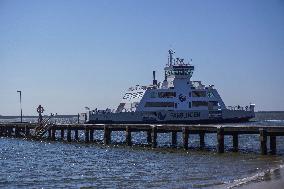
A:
(120, 107)
(127, 95)
(166, 94)
(153, 95)
(199, 103)
(198, 93)
(159, 104)
(213, 103)
(210, 95)
(189, 104)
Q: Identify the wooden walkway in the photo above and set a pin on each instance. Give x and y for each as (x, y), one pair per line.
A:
(26, 130)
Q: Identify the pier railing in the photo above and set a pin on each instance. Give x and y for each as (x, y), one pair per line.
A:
(151, 130)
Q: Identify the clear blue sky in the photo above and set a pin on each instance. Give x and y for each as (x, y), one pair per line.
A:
(66, 55)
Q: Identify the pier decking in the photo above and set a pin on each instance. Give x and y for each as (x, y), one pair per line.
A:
(27, 129)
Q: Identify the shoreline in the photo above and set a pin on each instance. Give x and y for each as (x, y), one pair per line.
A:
(273, 178)
(277, 181)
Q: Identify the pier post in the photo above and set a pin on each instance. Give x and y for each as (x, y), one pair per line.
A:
(202, 140)
(273, 145)
(185, 135)
(107, 135)
(76, 135)
(27, 131)
(69, 134)
(91, 134)
(235, 142)
(49, 134)
(53, 132)
(220, 140)
(128, 135)
(1, 131)
(9, 133)
(174, 138)
(154, 136)
(87, 134)
(149, 137)
(263, 141)
(62, 134)
(17, 132)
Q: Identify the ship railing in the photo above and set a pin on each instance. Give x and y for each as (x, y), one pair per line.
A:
(106, 111)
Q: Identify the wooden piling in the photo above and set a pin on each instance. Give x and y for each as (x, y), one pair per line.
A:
(69, 135)
(154, 136)
(273, 145)
(107, 135)
(174, 138)
(128, 136)
(27, 131)
(263, 141)
(235, 142)
(76, 135)
(87, 135)
(62, 134)
(91, 134)
(1, 131)
(149, 137)
(220, 140)
(49, 134)
(17, 132)
(202, 140)
(185, 135)
(9, 131)
(53, 132)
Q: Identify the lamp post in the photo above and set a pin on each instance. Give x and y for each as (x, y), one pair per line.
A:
(21, 105)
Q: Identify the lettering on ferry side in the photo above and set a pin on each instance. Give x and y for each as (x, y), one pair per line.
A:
(161, 116)
(185, 115)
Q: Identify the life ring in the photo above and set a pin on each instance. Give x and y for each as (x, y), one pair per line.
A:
(39, 109)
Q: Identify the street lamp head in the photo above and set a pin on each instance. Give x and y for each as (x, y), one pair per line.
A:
(19, 91)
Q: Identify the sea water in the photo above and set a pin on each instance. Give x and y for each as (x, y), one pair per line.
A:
(46, 164)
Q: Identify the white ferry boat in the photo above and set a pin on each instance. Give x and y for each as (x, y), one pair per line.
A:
(176, 100)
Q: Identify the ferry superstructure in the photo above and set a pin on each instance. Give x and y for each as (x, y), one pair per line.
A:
(175, 100)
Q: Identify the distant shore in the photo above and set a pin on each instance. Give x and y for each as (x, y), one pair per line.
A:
(15, 117)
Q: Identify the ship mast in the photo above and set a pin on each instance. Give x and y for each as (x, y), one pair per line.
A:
(171, 52)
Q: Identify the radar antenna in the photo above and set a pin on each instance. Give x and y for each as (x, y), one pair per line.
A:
(171, 52)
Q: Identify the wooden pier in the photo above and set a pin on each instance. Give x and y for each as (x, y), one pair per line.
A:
(69, 132)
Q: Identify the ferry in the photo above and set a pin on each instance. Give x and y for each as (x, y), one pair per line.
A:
(175, 100)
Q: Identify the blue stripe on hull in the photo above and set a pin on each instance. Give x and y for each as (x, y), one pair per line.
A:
(207, 121)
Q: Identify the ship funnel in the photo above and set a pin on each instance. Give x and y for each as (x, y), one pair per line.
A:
(155, 82)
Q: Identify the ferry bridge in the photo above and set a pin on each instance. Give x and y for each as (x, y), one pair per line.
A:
(70, 132)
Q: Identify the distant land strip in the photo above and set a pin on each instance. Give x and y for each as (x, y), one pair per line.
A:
(57, 116)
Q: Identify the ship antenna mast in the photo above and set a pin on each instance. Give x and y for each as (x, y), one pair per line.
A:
(171, 52)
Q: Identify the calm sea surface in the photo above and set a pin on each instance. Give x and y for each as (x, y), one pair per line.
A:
(45, 164)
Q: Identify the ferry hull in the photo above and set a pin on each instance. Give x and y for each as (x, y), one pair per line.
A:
(176, 117)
